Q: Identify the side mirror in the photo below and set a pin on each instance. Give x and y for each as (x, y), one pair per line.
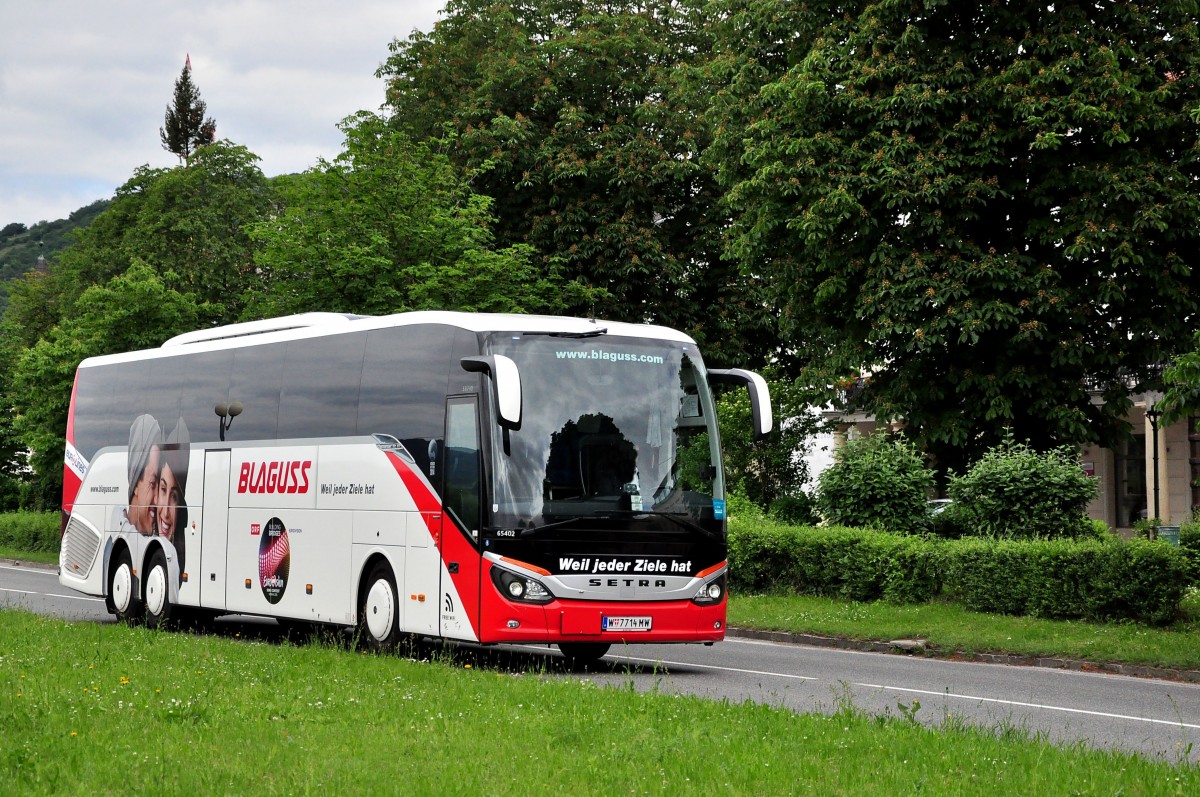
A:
(760, 395)
(506, 384)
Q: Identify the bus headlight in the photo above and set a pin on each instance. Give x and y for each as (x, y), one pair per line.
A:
(710, 592)
(520, 588)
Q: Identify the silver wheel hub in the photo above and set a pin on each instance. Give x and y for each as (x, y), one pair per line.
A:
(122, 588)
(156, 591)
(381, 609)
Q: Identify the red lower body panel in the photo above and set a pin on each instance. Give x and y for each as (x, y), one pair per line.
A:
(583, 621)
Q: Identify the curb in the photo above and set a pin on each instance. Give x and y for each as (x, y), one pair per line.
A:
(911, 647)
(26, 563)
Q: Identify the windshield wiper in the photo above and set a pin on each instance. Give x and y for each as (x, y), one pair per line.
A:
(681, 518)
(591, 333)
(545, 526)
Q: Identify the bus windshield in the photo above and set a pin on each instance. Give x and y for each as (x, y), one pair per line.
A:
(611, 425)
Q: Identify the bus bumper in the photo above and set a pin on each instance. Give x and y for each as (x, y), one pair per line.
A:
(604, 621)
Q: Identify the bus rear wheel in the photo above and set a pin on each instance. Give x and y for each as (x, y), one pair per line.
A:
(157, 591)
(121, 587)
(379, 610)
(581, 653)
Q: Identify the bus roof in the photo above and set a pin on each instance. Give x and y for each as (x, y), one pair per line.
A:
(307, 325)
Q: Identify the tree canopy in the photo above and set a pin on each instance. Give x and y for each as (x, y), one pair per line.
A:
(185, 128)
(570, 115)
(988, 208)
(984, 213)
(388, 226)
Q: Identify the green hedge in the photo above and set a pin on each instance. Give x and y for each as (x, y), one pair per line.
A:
(1092, 579)
(1189, 543)
(859, 564)
(30, 531)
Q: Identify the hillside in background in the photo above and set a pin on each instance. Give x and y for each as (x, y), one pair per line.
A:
(20, 246)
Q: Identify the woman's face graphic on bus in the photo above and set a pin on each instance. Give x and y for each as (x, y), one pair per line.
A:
(141, 504)
(168, 501)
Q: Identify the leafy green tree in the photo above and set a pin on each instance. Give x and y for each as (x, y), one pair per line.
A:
(1016, 491)
(389, 225)
(571, 116)
(879, 481)
(134, 310)
(772, 473)
(1182, 382)
(988, 207)
(187, 223)
(185, 128)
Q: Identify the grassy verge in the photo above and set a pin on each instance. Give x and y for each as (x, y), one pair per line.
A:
(953, 629)
(129, 710)
(45, 557)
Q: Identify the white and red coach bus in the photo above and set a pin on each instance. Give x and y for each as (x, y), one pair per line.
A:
(487, 478)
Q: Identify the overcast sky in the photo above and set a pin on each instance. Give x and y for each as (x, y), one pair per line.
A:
(84, 85)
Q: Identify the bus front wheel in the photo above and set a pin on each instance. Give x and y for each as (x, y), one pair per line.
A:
(379, 610)
(125, 606)
(157, 592)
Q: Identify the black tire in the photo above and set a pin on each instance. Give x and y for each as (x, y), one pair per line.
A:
(579, 654)
(122, 589)
(379, 610)
(156, 591)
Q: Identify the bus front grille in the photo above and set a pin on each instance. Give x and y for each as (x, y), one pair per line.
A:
(79, 548)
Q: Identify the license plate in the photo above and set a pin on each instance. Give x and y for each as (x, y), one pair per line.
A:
(625, 623)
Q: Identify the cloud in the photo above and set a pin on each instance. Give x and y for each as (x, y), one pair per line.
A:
(84, 85)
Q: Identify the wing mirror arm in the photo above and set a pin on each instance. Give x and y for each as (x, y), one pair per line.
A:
(760, 395)
(506, 386)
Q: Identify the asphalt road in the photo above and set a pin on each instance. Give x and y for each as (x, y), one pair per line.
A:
(1156, 718)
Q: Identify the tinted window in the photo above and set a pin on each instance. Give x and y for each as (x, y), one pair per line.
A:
(319, 397)
(257, 376)
(205, 381)
(407, 372)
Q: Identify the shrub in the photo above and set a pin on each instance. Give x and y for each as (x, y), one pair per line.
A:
(30, 531)
(795, 510)
(876, 481)
(952, 522)
(1090, 579)
(1189, 546)
(855, 564)
(1015, 491)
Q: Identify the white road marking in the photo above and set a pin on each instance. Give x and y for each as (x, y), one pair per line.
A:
(999, 701)
(714, 667)
(50, 595)
(1046, 707)
(49, 574)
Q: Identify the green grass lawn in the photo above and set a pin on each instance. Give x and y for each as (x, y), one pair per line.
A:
(44, 557)
(950, 628)
(109, 709)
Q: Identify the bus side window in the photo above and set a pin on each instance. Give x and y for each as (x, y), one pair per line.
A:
(461, 464)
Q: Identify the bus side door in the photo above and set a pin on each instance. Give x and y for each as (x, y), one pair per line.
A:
(462, 499)
(214, 531)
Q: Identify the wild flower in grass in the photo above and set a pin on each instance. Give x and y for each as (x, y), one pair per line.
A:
(124, 680)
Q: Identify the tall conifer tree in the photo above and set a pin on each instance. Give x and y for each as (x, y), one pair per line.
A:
(185, 128)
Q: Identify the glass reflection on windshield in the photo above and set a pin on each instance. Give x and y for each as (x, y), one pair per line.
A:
(610, 425)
